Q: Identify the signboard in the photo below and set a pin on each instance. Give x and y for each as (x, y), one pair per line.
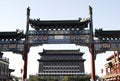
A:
(63, 39)
(59, 37)
(107, 47)
(12, 47)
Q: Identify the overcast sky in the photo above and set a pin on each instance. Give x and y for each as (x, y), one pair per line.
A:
(106, 15)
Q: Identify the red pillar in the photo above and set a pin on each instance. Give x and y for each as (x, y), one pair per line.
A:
(92, 46)
(92, 63)
(25, 56)
(25, 62)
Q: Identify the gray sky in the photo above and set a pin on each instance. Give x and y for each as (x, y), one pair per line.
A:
(13, 16)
